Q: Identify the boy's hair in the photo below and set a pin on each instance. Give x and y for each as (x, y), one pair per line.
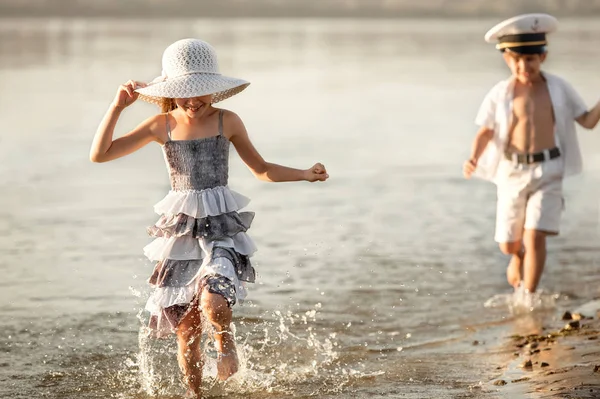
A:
(167, 105)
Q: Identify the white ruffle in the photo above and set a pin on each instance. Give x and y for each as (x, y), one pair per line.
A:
(187, 247)
(199, 204)
(168, 296)
(164, 297)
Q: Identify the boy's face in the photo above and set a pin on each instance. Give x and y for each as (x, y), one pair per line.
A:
(525, 67)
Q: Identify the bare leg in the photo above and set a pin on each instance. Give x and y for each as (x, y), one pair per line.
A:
(535, 258)
(514, 271)
(189, 354)
(218, 313)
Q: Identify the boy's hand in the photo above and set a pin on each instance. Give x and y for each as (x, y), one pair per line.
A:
(316, 173)
(469, 167)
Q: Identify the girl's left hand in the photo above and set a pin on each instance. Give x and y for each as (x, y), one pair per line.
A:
(316, 173)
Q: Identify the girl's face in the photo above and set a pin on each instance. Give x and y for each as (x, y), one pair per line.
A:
(194, 107)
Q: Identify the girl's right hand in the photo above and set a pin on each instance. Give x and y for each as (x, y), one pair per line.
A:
(126, 94)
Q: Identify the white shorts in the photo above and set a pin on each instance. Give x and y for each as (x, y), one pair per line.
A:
(529, 197)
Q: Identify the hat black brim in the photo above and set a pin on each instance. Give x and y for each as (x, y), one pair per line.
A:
(527, 49)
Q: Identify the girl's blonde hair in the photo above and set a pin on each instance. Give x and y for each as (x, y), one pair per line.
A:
(167, 104)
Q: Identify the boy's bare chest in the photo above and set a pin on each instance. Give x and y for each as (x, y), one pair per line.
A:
(533, 102)
(532, 127)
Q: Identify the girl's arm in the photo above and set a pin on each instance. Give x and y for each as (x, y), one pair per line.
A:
(104, 148)
(262, 169)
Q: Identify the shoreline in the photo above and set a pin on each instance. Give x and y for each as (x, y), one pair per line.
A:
(557, 361)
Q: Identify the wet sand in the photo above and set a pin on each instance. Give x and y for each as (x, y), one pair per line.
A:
(561, 360)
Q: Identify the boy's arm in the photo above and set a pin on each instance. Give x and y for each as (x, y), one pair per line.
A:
(589, 119)
(579, 111)
(486, 117)
(483, 137)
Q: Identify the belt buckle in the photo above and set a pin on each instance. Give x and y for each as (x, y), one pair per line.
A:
(530, 158)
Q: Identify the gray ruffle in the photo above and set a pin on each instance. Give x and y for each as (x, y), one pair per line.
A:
(210, 227)
(178, 273)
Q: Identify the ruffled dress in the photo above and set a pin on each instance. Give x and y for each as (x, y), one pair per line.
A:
(200, 238)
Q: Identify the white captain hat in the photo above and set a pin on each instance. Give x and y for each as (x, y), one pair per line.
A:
(525, 34)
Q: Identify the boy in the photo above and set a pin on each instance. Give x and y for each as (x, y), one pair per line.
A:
(527, 144)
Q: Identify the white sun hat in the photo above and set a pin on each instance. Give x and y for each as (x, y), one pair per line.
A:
(523, 33)
(190, 69)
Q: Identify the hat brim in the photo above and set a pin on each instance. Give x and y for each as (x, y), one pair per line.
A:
(520, 24)
(527, 49)
(193, 85)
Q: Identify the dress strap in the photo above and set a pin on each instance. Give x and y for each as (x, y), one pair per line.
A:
(168, 126)
(220, 122)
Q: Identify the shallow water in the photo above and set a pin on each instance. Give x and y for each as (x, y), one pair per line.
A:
(371, 285)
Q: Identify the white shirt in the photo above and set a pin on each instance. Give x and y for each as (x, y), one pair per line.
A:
(497, 109)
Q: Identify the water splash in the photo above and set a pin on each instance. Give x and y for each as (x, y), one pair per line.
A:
(281, 352)
(522, 301)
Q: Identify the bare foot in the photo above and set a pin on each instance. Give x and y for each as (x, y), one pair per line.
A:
(227, 360)
(514, 271)
(191, 395)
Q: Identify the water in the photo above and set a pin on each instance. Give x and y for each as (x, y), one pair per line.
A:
(371, 285)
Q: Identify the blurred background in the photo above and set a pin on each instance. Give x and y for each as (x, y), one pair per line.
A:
(296, 8)
(374, 284)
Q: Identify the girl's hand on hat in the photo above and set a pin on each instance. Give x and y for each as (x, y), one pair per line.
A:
(469, 167)
(126, 95)
(316, 173)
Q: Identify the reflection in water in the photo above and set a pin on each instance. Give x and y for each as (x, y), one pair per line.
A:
(38, 42)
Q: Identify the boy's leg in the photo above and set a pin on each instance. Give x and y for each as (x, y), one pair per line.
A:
(535, 258)
(514, 271)
(510, 219)
(544, 211)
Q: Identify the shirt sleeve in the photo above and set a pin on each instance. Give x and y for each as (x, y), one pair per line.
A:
(575, 102)
(486, 116)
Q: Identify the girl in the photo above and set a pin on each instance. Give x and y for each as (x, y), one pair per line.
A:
(201, 246)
